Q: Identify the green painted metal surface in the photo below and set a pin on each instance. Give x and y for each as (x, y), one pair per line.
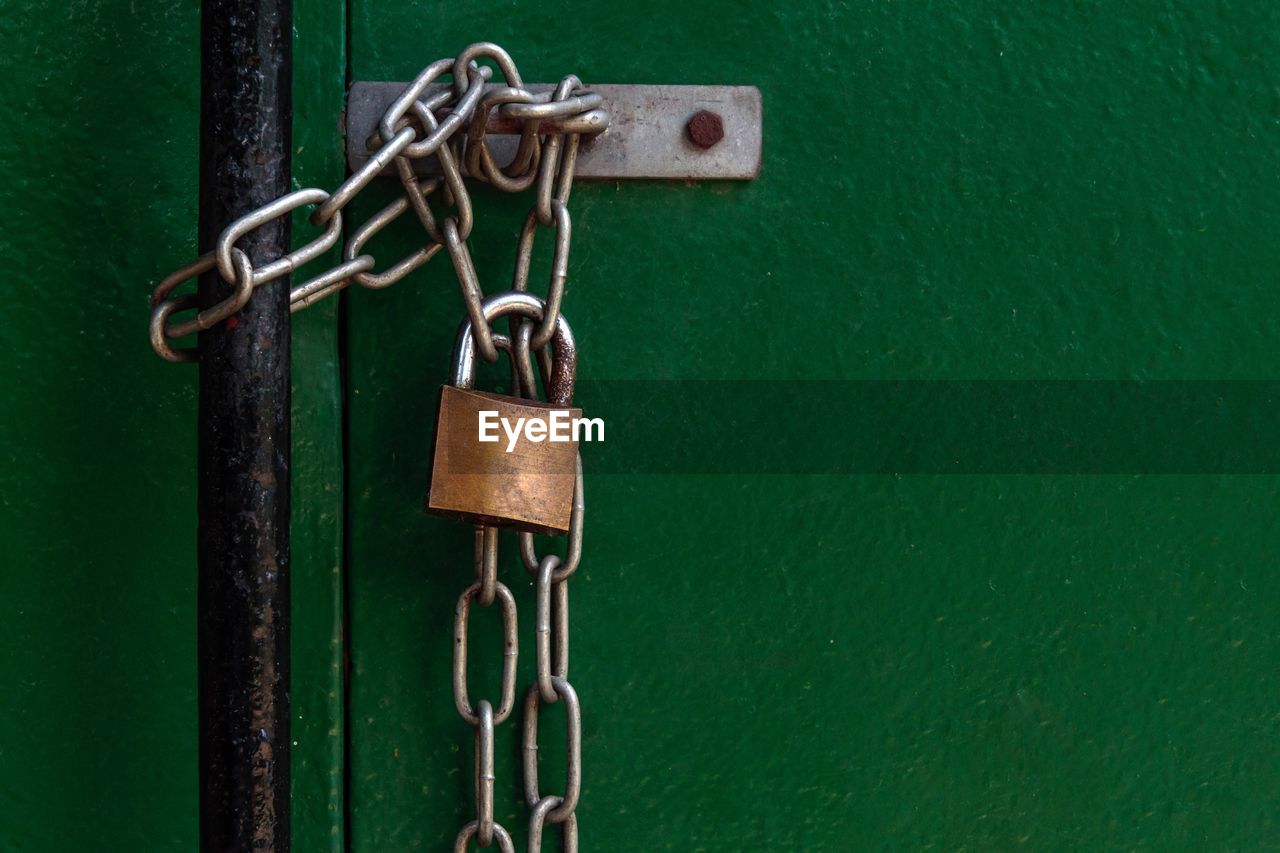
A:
(97, 591)
(950, 191)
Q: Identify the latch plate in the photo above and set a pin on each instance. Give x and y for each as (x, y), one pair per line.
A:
(647, 135)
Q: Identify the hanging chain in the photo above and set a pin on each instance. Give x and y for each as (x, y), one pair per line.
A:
(451, 126)
(549, 164)
(551, 618)
(483, 717)
(551, 683)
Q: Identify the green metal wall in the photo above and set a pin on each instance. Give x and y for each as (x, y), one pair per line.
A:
(950, 191)
(954, 190)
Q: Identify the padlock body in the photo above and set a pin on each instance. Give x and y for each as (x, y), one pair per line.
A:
(529, 487)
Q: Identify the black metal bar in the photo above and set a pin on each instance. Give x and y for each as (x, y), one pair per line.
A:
(243, 540)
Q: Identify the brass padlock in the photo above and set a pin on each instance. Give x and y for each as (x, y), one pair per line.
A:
(514, 481)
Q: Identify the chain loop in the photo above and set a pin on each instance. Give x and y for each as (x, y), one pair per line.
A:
(361, 178)
(484, 774)
(472, 829)
(474, 88)
(329, 283)
(559, 268)
(371, 227)
(551, 622)
(510, 650)
(485, 50)
(538, 820)
(163, 307)
(573, 748)
(472, 296)
(553, 170)
(556, 169)
(560, 106)
(522, 358)
(517, 175)
(281, 266)
(159, 334)
(451, 178)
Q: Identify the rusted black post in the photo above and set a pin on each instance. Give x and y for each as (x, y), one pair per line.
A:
(243, 540)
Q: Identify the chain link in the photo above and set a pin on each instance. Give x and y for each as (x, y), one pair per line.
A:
(563, 690)
(538, 820)
(510, 651)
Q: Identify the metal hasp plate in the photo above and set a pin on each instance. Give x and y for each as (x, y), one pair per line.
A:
(648, 137)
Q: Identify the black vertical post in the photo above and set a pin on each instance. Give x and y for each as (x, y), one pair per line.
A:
(243, 540)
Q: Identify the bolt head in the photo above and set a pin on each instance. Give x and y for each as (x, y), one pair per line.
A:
(705, 129)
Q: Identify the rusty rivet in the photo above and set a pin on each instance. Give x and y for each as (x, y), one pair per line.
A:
(705, 128)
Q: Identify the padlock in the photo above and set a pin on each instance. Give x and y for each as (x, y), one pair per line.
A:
(524, 484)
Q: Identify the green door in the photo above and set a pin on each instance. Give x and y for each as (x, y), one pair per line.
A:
(840, 661)
(774, 650)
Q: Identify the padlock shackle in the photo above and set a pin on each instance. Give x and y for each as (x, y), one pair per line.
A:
(564, 352)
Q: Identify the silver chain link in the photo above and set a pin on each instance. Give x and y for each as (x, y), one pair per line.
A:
(451, 126)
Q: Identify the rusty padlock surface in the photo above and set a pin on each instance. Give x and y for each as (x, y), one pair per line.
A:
(530, 487)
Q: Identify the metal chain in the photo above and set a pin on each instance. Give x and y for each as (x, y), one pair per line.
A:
(551, 628)
(554, 181)
(450, 126)
(482, 716)
(551, 636)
